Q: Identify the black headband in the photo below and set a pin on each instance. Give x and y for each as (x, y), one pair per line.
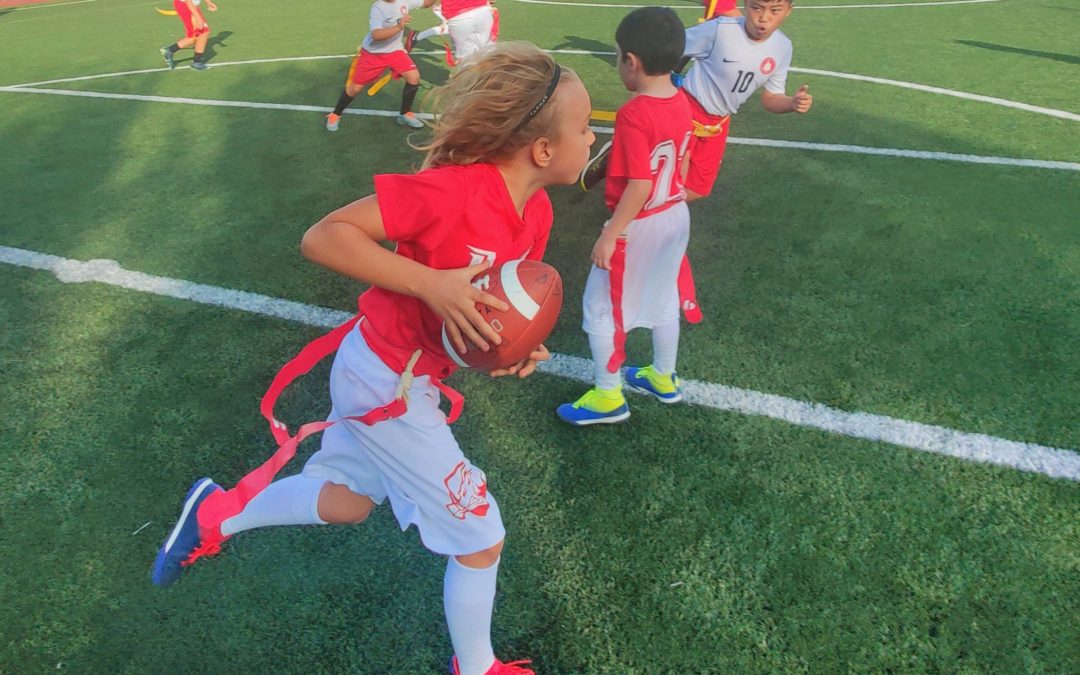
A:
(542, 102)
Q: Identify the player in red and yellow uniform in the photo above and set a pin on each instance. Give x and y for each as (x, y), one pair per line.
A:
(196, 33)
(636, 261)
(715, 8)
(514, 123)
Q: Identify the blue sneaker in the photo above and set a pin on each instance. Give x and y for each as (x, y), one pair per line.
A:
(198, 65)
(185, 538)
(168, 56)
(666, 388)
(597, 406)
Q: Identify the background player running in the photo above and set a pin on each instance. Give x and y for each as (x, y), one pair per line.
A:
(382, 49)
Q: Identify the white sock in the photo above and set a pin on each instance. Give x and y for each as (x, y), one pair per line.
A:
(602, 348)
(665, 345)
(289, 501)
(431, 32)
(468, 600)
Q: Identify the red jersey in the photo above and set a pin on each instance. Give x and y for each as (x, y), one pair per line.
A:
(722, 7)
(451, 8)
(446, 218)
(651, 136)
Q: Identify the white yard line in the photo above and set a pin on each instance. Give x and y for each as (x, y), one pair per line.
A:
(23, 8)
(1063, 114)
(941, 91)
(800, 5)
(1053, 462)
(765, 142)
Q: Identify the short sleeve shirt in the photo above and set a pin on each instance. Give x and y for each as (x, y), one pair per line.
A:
(729, 67)
(386, 15)
(651, 137)
(451, 8)
(446, 218)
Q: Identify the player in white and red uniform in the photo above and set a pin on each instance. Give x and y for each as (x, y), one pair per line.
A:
(471, 24)
(382, 49)
(480, 202)
(733, 58)
(636, 260)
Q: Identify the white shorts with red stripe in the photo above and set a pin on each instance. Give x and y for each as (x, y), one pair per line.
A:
(471, 31)
(413, 460)
(655, 246)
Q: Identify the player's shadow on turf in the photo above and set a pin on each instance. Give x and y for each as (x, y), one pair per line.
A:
(216, 40)
(1064, 58)
(588, 45)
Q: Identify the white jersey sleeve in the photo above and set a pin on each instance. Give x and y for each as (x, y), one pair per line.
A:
(387, 15)
(726, 73)
(777, 82)
(700, 40)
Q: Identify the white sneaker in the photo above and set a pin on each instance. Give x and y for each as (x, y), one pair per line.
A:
(332, 122)
(410, 120)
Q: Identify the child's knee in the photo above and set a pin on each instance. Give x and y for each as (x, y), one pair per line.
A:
(482, 559)
(352, 89)
(411, 77)
(341, 506)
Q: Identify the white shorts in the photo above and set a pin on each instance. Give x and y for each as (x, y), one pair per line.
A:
(471, 31)
(413, 459)
(655, 246)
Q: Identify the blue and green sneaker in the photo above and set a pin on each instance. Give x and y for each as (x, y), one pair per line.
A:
(597, 406)
(666, 388)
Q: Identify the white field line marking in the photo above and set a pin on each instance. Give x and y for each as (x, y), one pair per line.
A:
(798, 6)
(1017, 105)
(763, 142)
(1053, 462)
(944, 92)
(23, 8)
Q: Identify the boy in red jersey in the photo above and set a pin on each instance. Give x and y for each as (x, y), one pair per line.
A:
(383, 49)
(196, 32)
(636, 260)
(514, 122)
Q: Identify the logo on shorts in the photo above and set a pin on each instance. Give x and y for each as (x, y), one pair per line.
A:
(688, 305)
(467, 493)
(767, 66)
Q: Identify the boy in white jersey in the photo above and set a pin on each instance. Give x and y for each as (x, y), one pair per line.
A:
(733, 58)
(382, 49)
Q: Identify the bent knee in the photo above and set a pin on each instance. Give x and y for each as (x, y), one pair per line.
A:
(482, 559)
(341, 506)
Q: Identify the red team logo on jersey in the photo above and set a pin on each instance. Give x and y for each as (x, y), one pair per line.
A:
(767, 66)
(467, 495)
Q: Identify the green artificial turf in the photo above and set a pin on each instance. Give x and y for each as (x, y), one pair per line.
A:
(688, 540)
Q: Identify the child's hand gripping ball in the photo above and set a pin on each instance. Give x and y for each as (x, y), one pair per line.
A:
(534, 292)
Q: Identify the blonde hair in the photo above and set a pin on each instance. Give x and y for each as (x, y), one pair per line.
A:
(481, 109)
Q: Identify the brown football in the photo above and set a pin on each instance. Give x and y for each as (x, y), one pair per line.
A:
(533, 290)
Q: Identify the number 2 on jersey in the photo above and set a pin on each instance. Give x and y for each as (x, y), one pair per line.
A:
(664, 162)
